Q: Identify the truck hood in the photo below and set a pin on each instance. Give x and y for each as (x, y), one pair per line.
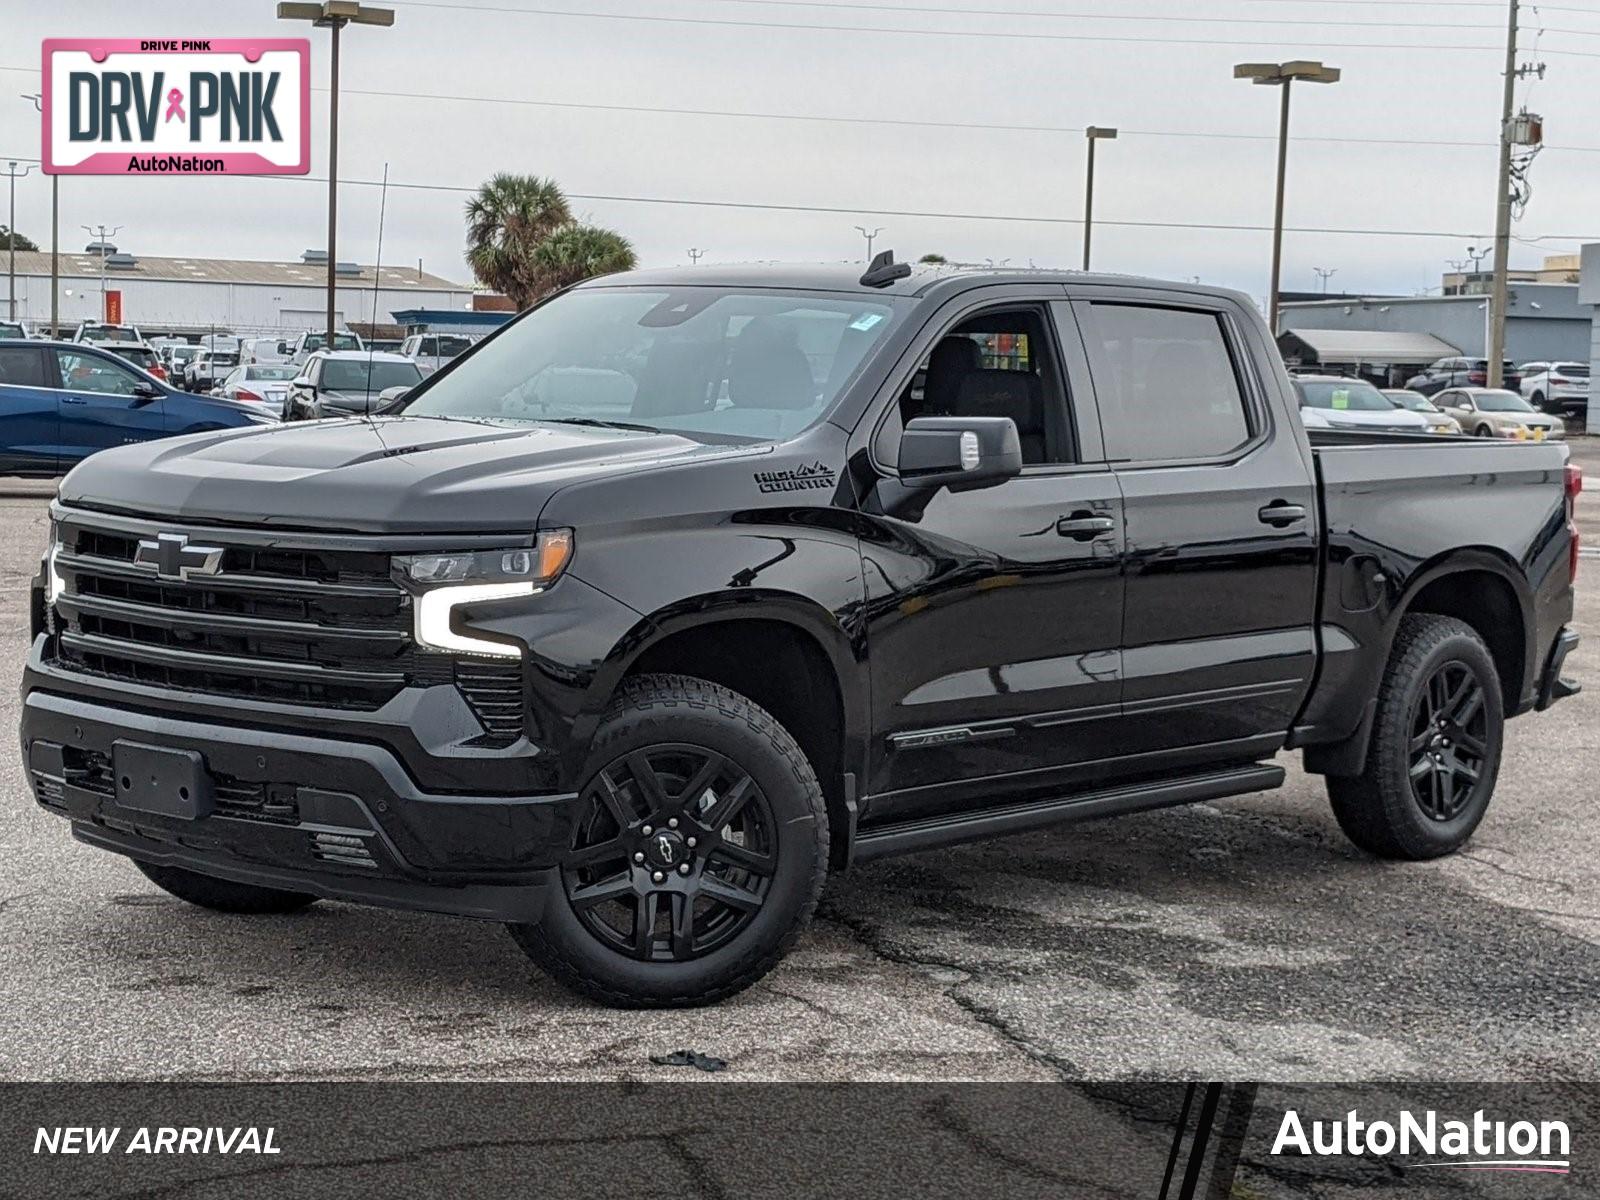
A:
(384, 475)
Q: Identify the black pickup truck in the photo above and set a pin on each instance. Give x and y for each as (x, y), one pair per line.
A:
(686, 588)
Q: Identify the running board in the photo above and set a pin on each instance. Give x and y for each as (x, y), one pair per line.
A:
(911, 836)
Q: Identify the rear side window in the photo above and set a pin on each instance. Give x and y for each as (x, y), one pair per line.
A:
(21, 366)
(1166, 382)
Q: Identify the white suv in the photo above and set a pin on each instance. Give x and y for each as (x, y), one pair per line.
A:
(1557, 387)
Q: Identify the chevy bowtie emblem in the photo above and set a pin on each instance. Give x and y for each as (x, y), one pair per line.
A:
(174, 558)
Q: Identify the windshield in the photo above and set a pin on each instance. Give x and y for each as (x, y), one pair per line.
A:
(182, 352)
(759, 365)
(1498, 401)
(1415, 401)
(1344, 395)
(224, 360)
(269, 372)
(341, 341)
(110, 333)
(9, 329)
(139, 356)
(444, 347)
(351, 375)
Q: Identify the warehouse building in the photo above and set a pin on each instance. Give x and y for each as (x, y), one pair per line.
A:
(186, 297)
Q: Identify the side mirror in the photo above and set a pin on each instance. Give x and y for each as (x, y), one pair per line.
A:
(143, 393)
(304, 383)
(390, 400)
(283, 347)
(960, 453)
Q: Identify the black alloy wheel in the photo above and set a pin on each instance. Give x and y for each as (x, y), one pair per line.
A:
(1449, 741)
(674, 853)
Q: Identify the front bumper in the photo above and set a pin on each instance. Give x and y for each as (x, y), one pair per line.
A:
(336, 819)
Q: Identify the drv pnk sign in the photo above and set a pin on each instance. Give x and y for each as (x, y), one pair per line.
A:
(205, 106)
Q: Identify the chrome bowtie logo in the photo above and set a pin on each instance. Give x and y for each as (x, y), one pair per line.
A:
(666, 850)
(174, 558)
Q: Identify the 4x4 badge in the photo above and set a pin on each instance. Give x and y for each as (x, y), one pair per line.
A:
(174, 558)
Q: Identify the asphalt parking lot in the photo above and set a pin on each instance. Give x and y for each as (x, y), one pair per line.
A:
(1244, 939)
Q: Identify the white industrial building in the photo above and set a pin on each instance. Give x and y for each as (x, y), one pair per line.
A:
(189, 296)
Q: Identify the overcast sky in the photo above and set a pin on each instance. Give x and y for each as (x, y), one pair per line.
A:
(1098, 65)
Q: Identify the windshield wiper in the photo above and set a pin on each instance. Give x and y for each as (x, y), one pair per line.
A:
(597, 423)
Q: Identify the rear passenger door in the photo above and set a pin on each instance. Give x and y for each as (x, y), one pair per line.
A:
(1219, 607)
(29, 413)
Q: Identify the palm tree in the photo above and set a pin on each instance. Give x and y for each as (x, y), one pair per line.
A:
(576, 252)
(506, 221)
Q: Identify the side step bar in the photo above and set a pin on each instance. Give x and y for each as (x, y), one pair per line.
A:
(911, 836)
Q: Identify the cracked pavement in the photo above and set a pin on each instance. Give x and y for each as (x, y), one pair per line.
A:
(1244, 939)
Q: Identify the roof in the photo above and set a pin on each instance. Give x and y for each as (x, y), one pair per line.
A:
(1372, 345)
(359, 356)
(76, 264)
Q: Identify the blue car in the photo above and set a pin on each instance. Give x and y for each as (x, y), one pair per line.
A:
(62, 401)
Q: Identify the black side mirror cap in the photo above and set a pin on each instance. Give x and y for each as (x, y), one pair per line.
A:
(960, 453)
(391, 400)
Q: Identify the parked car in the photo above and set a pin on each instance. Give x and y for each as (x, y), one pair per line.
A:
(1460, 372)
(264, 383)
(870, 564)
(62, 401)
(208, 367)
(177, 358)
(298, 350)
(344, 383)
(1499, 413)
(99, 333)
(1438, 422)
(143, 356)
(1557, 387)
(430, 351)
(12, 330)
(1337, 402)
(262, 350)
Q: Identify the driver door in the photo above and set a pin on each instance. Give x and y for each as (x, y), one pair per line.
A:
(100, 407)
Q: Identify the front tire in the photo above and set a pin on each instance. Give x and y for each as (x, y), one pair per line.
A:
(1435, 749)
(223, 895)
(698, 856)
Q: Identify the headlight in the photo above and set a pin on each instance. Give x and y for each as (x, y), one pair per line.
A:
(443, 582)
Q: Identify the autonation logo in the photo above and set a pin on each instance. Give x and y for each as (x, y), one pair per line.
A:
(1480, 1144)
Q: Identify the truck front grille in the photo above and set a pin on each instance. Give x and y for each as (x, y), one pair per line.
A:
(292, 618)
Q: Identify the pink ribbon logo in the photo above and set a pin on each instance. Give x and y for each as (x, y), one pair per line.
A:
(175, 105)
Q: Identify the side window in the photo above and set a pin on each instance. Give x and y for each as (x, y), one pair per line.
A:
(1166, 382)
(21, 366)
(90, 373)
(998, 364)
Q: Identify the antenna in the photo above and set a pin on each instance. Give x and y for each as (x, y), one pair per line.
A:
(883, 271)
(377, 274)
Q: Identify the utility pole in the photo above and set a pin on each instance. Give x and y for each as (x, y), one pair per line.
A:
(871, 236)
(1502, 213)
(1325, 274)
(11, 239)
(55, 236)
(695, 255)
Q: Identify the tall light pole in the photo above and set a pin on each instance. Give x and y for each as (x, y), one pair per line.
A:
(871, 235)
(55, 235)
(1092, 135)
(696, 254)
(1325, 274)
(1282, 75)
(102, 239)
(11, 240)
(334, 15)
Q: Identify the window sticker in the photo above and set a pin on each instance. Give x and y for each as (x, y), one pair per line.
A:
(866, 321)
(1341, 398)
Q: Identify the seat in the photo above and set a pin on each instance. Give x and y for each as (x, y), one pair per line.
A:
(1015, 394)
(676, 378)
(952, 361)
(767, 369)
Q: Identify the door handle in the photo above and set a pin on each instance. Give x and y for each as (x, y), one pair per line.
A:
(73, 400)
(1280, 514)
(1084, 527)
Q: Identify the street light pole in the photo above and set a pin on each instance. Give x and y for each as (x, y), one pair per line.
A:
(1282, 75)
(334, 15)
(11, 240)
(55, 235)
(1092, 134)
(102, 239)
(871, 236)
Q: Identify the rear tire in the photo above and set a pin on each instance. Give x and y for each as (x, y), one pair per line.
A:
(223, 895)
(735, 858)
(1435, 749)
